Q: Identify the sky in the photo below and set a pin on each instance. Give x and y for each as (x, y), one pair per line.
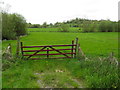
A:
(52, 11)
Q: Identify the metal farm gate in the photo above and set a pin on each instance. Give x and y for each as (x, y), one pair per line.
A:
(69, 52)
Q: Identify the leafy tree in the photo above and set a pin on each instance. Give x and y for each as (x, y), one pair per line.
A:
(51, 25)
(20, 24)
(57, 24)
(106, 26)
(29, 25)
(118, 26)
(7, 27)
(86, 26)
(13, 25)
(35, 26)
(63, 28)
(44, 25)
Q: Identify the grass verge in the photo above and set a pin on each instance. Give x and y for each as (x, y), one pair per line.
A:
(66, 73)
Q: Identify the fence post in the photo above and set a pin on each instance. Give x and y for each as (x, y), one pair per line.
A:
(18, 47)
(76, 48)
(21, 48)
(47, 52)
(72, 55)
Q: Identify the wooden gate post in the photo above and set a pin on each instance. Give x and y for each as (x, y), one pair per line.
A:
(47, 52)
(72, 55)
(76, 48)
(21, 48)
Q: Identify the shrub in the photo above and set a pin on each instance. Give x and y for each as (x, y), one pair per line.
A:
(85, 27)
(63, 28)
(89, 26)
(7, 27)
(107, 26)
(118, 26)
(115, 27)
(34, 26)
(13, 25)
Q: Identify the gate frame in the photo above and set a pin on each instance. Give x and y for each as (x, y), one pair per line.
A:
(73, 50)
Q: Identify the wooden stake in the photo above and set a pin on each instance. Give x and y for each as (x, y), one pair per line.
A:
(21, 48)
(72, 55)
(76, 48)
(47, 52)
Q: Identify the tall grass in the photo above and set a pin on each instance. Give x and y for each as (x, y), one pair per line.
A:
(96, 73)
(92, 73)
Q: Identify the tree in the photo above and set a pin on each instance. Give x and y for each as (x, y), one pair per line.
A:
(7, 27)
(86, 26)
(57, 24)
(20, 24)
(51, 25)
(35, 26)
(13, 25)
(118, 26)
(44, 25)
(29, 25)
(106, 26)
(63, 28)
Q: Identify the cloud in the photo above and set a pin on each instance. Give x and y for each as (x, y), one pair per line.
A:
(39, 11)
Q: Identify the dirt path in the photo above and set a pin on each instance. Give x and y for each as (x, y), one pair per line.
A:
(78, 82)
(57, 80)
(40, 82)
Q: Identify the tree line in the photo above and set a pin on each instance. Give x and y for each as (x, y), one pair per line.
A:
(84, 25)
(13, 25)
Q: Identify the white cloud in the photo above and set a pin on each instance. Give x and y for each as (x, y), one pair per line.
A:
(39, 11)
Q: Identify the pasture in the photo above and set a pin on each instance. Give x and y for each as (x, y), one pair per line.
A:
(65, 73)
(93, 44)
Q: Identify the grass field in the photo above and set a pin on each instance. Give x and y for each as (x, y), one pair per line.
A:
(93, 44)
(68, 73)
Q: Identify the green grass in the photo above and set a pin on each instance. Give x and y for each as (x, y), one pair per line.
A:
(28, 73)
(92, 44)
(96, 73)
(44, 73)
(66, 73)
